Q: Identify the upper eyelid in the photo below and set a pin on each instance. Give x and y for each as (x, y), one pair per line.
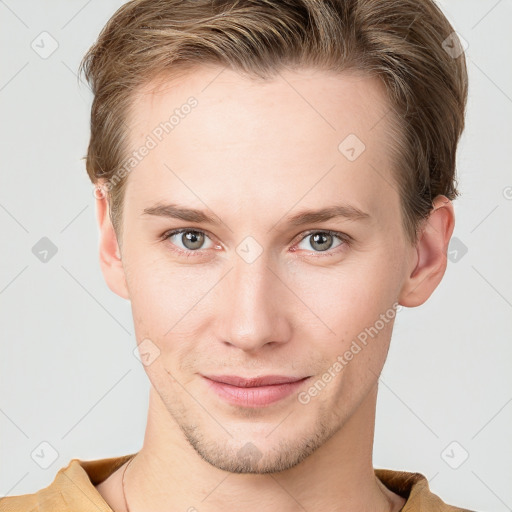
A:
(339, 234)
(177, 231)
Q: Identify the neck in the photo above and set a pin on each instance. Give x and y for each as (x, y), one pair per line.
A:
(168, 474)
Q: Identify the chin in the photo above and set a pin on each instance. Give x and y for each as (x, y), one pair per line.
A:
(260, 451)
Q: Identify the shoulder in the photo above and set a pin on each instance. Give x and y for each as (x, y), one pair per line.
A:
(18, 503)
(44, 499)
(47, 498)
(73, 488)
(415, 488)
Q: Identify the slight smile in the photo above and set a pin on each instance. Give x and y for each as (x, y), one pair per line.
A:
(254, 392)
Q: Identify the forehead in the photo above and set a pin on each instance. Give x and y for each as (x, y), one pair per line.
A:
(305, 137)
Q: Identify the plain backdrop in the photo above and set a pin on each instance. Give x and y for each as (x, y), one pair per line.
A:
(70, 384)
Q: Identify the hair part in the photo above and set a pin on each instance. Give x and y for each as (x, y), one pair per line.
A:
(400, 41)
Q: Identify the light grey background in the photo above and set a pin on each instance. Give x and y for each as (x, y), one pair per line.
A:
(68, 374)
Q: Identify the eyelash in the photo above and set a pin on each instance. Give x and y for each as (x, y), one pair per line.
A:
(344, 238)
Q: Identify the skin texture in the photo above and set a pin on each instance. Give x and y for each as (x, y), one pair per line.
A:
(252, 153)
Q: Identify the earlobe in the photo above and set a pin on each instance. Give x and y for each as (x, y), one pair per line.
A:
(110, 255)
(431, 254)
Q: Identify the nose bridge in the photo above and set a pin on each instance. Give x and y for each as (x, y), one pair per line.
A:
(253, 317)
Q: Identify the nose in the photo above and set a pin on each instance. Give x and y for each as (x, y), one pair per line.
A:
(254, 312)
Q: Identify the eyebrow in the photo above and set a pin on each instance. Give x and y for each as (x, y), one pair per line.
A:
(301, 218)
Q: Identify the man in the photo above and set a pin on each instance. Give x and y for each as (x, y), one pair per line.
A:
(274, 182)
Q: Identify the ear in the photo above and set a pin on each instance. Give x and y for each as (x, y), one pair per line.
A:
(110, 254)
(429, 264)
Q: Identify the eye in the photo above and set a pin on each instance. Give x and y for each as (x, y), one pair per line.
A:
(191, 240)
(322, 241)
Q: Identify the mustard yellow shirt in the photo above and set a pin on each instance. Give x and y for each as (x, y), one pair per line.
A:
(73, 490)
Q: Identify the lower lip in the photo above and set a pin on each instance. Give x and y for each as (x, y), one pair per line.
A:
(255, 396)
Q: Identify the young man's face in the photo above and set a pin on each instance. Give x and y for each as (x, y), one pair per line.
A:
(254, 294)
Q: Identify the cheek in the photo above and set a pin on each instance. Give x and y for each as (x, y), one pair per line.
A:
(167, 302)
(157, 285)
(336, 300)
(349, 296)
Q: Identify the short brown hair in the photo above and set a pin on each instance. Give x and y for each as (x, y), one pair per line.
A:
(404, 42)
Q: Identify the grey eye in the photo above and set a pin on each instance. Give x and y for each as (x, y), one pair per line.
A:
(192, 239)
(188, 239)
(321, 241)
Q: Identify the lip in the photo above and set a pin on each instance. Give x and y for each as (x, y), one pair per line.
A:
(253, 392)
